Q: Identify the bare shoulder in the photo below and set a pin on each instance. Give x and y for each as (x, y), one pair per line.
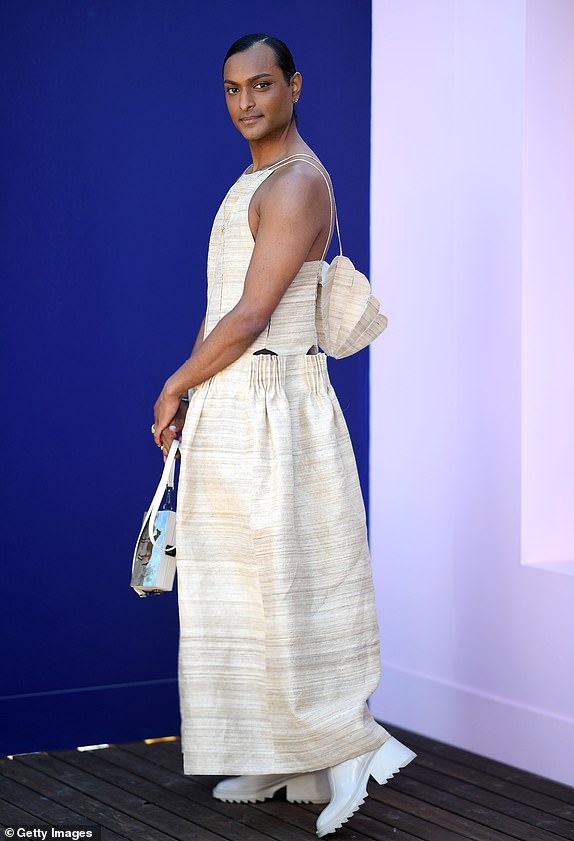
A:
(298, 184)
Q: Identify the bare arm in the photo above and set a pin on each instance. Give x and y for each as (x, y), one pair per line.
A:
(178, 419)
(199, 337)
(291, 218)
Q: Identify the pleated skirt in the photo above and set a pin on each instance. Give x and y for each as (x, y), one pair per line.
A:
(279, 641)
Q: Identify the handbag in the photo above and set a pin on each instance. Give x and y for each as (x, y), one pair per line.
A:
(153, 565)
(347, 315)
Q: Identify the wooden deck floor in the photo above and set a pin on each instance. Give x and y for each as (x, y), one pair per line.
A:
(138, 791)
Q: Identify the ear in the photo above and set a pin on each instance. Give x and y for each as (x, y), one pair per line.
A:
(296, 85)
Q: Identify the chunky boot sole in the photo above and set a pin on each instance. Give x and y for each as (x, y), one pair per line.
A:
(312, 787)
(382, 764)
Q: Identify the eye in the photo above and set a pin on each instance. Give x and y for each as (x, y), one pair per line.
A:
(265, 84)
(232, 90)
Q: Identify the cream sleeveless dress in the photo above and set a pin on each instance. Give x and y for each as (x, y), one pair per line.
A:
(279, 642)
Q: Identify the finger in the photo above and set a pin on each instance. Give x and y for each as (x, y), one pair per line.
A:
(167, 433)
(166, 444)
(159, 431)
(162, 419)
(158, 438)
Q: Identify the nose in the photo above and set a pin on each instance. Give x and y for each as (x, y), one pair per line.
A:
(246, 100)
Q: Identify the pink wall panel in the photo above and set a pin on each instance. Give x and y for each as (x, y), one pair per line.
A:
(478, 648)
(548, 289)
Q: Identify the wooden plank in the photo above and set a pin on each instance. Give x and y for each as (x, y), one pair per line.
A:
(497, 802)
(163, 753)
(131, 804)
(196, 810)
(460, 826)
(291, 816)
(40, 809)
(11, 815)
(482, 779)
(473, 823)
(278, 814)
(475, 812)
(372, 825)
(528, 780)
(67, 794)
(140, 791)
(384, 826)
(190, 787)
(438, 822)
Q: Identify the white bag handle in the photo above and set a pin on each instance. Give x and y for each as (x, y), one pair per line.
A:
(167, 479)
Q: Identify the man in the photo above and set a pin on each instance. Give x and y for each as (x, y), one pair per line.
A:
(279, 645)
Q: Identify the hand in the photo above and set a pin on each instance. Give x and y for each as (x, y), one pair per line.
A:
(174, 429)
(164, 412)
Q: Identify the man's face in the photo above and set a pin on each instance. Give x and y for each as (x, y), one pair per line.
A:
(259, 100)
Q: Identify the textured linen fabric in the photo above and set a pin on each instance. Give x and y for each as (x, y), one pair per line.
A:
(279, 642)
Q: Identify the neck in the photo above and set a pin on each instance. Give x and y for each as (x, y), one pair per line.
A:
(269, 150)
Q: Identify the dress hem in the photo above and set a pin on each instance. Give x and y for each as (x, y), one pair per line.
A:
(191, 768)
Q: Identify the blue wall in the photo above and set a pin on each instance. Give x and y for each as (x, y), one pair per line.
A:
(117, 150)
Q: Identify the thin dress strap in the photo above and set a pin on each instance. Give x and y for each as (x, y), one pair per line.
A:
(309, 159)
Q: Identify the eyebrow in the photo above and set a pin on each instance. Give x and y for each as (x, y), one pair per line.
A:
(252, 79)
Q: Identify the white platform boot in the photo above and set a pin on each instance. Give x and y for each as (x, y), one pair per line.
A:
(348, 781)
(310, 787)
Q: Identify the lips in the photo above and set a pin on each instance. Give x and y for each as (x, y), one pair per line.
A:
(252, 118)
